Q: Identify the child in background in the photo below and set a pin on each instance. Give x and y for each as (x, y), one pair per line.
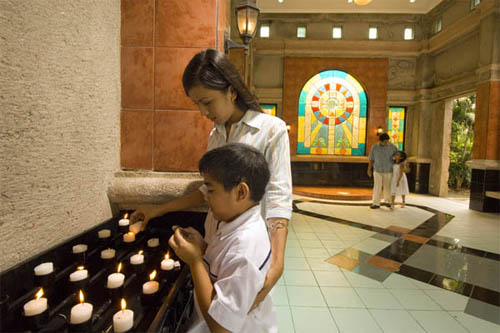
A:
(230, 265)
(399, 181)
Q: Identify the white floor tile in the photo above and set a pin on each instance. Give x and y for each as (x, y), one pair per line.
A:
(299, 278)
(396, 321)
(358, 280)
(448, 300)
(315, 253)
(378, 299)
(396, 281)
(414, 299)
(437, 321)
(331, 279)
(284, 319)
(306, 235)
(279, 295)
(292, 243)
(371, 245)
(319, 264)
(317, 320)
(305, 296)
(294, 252)
(354, 321)
(342, 297)
(300, 264)
(474, 324)
(333, 243)
(311, 243)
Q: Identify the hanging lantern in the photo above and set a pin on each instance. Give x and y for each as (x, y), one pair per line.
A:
(247, 15)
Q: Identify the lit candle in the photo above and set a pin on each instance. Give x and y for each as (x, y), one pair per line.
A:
(80, 248)
(104, 233)
(153, 242)
(124, 221)
(108, 254)
(152, 286)
(129, 237)
(82, 312)
(116, 280)
(80, 274)
(44, 268)
(123, 320)
(36, 306)
(137, 259)
(136, 227)
(167, 263)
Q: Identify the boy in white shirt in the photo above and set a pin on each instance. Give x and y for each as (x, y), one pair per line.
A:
(229, 266)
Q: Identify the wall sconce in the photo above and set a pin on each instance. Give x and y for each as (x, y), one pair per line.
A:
(288, 127)
(247, 15)
(380, 130)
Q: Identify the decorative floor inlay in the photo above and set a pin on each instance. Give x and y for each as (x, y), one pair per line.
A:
(420, 254)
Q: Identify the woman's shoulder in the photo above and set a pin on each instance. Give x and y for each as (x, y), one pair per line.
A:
(267, 119)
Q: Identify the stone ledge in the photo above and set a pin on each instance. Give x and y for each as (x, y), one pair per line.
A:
(130, 188)
(484, 164)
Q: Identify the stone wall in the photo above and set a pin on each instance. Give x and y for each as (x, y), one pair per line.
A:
(60, 109)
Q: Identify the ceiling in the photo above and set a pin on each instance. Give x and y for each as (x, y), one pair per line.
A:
(342, 6)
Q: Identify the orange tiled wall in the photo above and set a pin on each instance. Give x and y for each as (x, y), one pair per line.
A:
(487, 122)
(371, 73)
(161, 129)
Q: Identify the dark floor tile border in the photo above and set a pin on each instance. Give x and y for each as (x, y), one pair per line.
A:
(415, 273)
(427, 230)
(486, 295)
(400, 250)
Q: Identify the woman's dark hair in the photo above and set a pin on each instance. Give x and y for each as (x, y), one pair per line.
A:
(234, 163)
(402, 156)
(213, 70)
(383, 137)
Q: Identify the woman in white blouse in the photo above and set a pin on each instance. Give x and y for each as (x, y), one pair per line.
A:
(215, 85)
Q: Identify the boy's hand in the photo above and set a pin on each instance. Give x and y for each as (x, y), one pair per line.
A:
(186, 244)
(144, 213)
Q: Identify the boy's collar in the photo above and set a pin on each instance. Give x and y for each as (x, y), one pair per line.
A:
(226, 228)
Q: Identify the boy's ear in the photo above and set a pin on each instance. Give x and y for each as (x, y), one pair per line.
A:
(243, 191)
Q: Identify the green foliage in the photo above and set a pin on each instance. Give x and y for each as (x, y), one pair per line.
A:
(462, 134)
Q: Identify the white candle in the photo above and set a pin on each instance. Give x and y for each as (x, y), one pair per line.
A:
(123, 320)
(36, 306)
(44, 268)
(136, 227)
(167, 264)
(80, 313)
(115, 280)
(137, 259)
(150, 287)
(108, 254)
(104, 233)
(124, 222)
(153, 242)
(129, 237)
(78, 275)
(79, 248)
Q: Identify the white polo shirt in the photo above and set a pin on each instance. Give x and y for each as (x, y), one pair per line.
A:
(238, 257)
(269, 135)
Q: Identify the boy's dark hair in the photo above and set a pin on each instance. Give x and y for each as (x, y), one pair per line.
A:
(234, 163)
(403, 156)
(213, 70)
(383, 137)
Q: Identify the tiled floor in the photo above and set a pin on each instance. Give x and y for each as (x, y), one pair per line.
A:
(351, 269)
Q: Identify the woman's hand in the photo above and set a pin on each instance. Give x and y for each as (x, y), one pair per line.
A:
(187, 244)
(272, 277)
(145, 213)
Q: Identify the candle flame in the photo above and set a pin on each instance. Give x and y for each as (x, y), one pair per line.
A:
(80, 268)
(124, 304)
(39, 293)
(152, 275)
(130, 233)
(119, 268)
(167, 256)
(140, 252)
(81, 296)
(126, 215)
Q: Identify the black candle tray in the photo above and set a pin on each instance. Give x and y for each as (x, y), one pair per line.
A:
(166, 314)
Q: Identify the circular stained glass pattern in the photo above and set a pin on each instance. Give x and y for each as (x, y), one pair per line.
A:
(332, 115)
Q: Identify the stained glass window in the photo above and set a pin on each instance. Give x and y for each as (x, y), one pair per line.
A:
(396, 126)
(332, 115)
(269, 109)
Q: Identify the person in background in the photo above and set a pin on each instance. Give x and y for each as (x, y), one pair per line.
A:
(229, 269)
(380, 167)
(399, 180)
(216, 87)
